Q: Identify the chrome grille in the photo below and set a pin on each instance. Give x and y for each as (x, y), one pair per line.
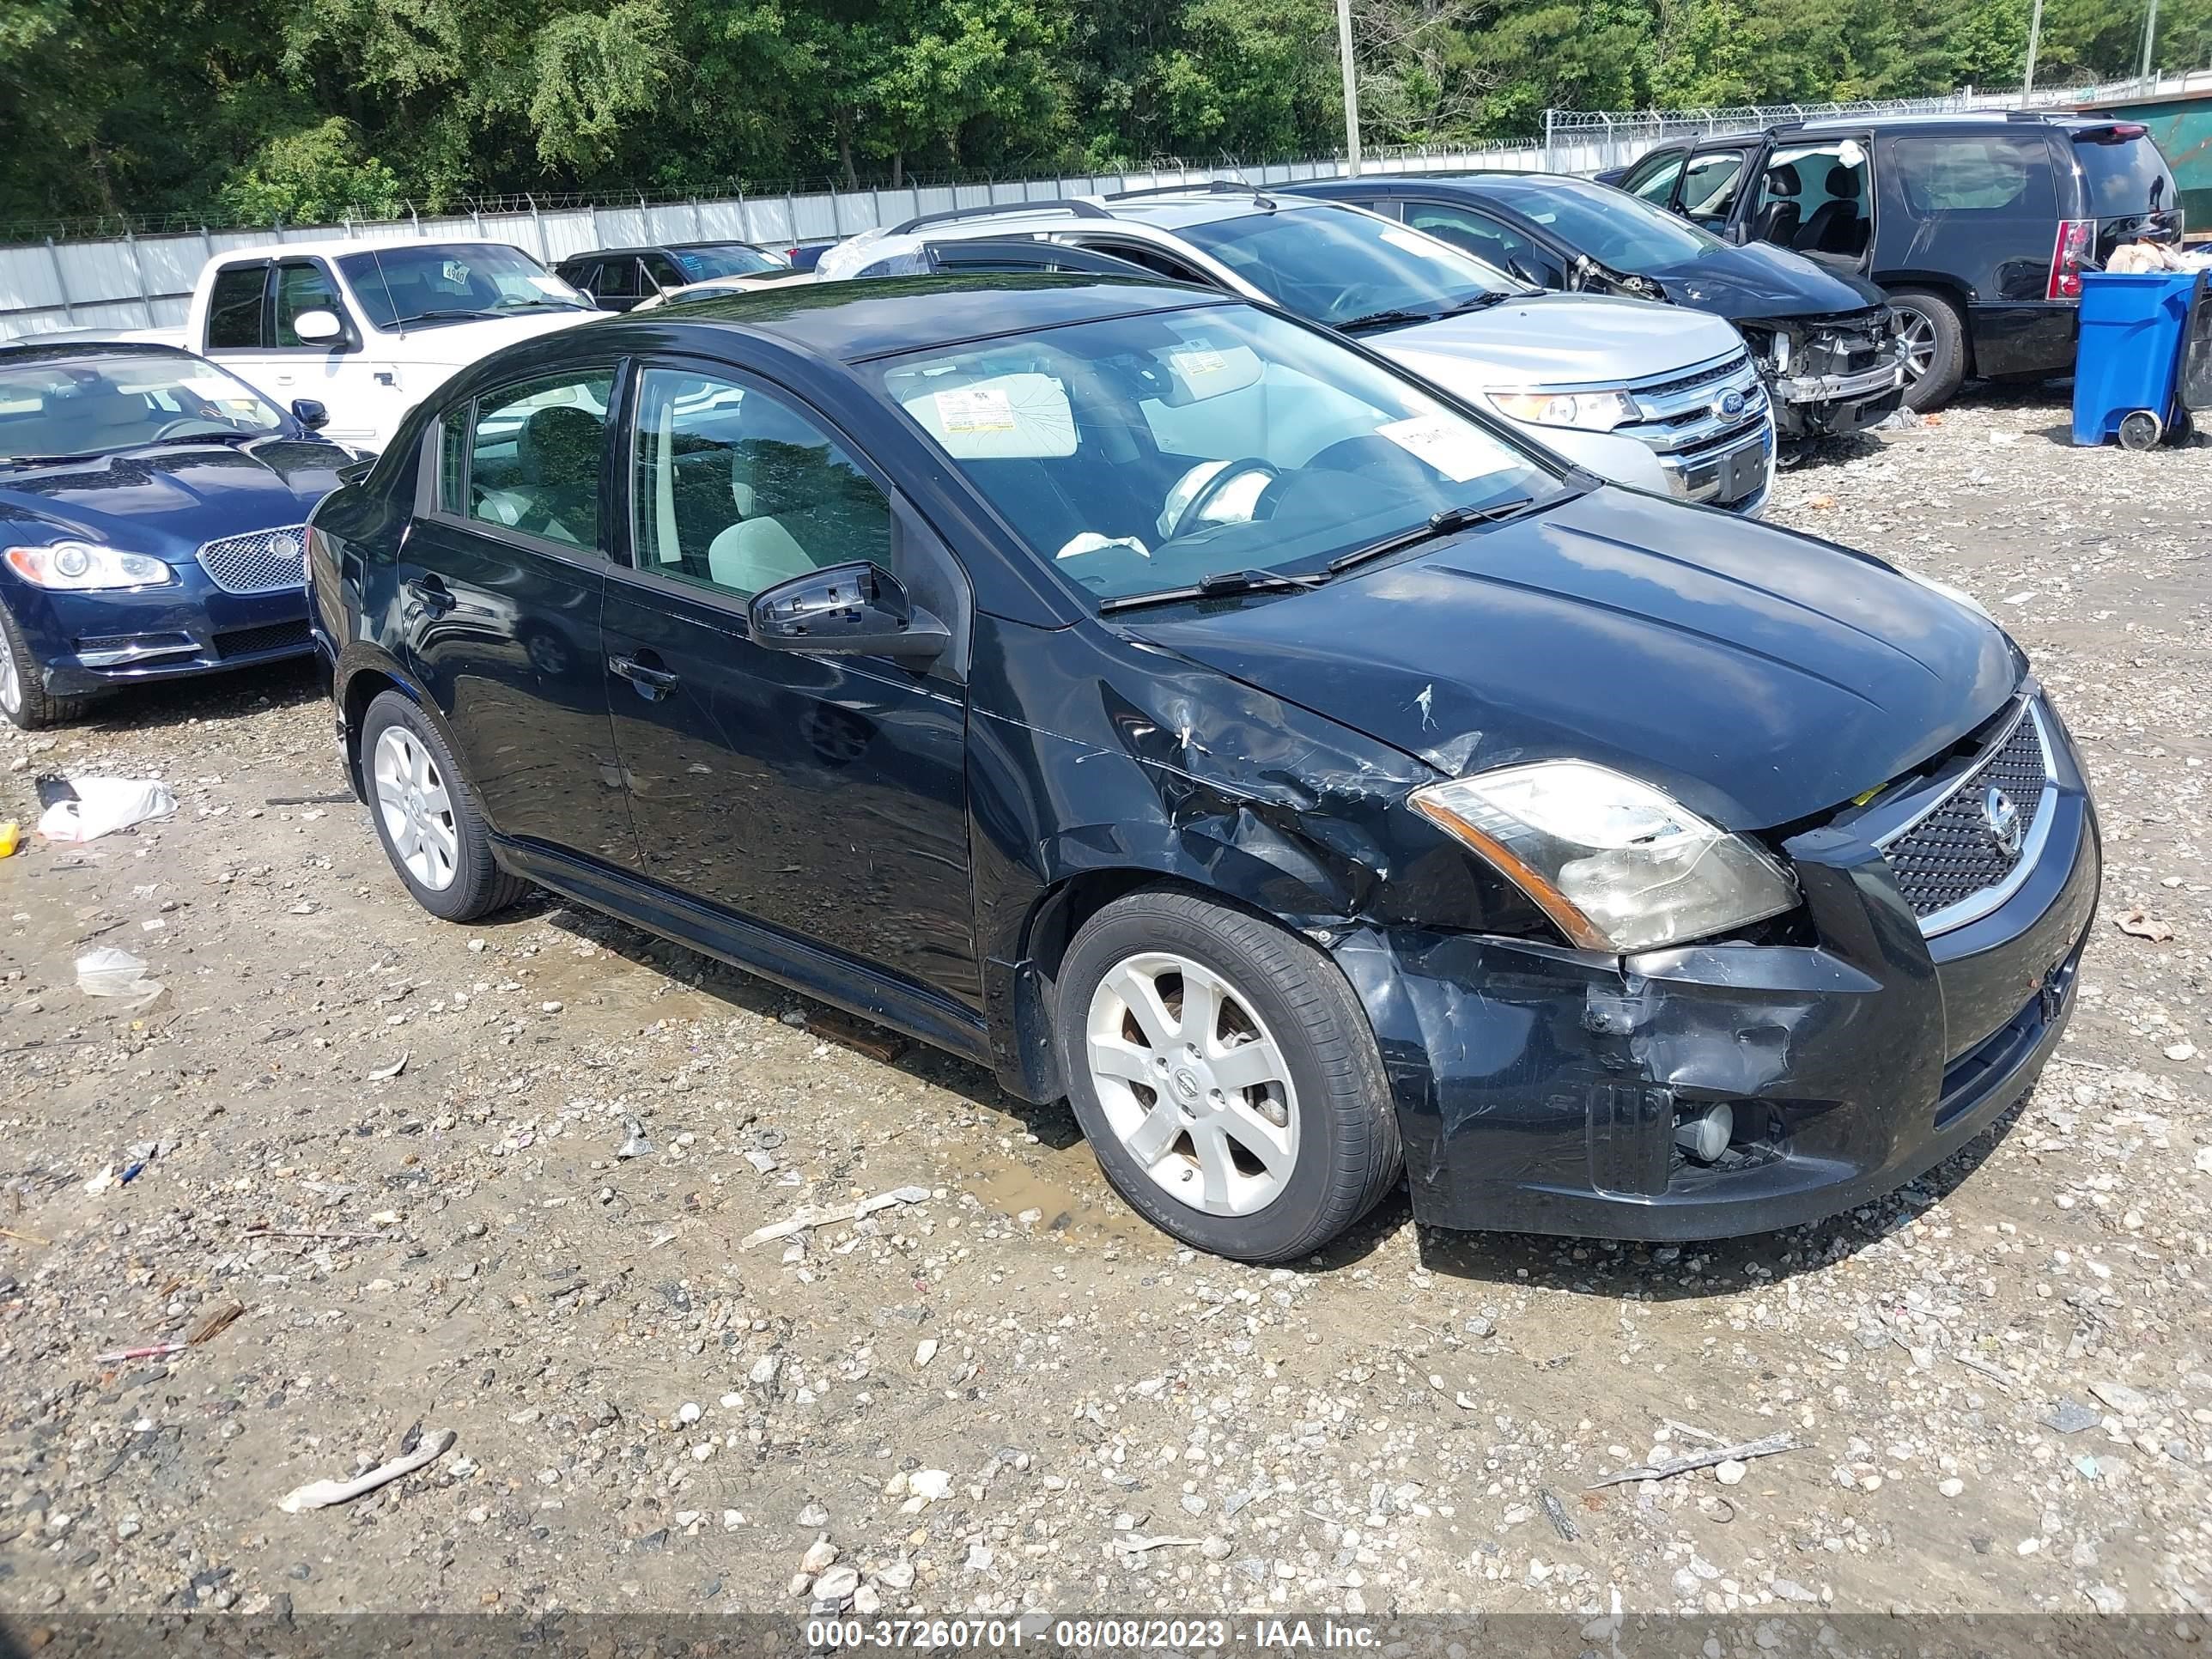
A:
(1948, 865)
(262, 563)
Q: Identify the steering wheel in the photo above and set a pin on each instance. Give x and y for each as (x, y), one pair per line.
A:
(1187, 519)
(174, 427)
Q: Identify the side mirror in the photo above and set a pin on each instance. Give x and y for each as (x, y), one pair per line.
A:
(847, 609)
(1543, 275)
(317, 326)
(310, 413)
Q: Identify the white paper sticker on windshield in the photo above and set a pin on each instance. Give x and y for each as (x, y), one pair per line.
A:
(972, 409)
(1196, 356)
(1453, 447)
(455, 271)
(1414, 242)
(552, 285)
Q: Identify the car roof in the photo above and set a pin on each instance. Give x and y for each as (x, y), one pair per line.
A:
(658, 248)
(881, 316)
(1450, 176)
(28, 348)
(336, 247)
(1167, 213)
(2065, 119)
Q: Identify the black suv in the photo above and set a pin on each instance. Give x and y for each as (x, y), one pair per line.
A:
(1976, 227)
(618, 277)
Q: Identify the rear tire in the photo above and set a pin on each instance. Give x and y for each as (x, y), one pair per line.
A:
(1279, 1132)
(23, 697)
(426, 815)
(1936, 338)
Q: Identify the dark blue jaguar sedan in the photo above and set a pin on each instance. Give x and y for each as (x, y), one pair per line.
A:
(152, 521)
(1173, 706)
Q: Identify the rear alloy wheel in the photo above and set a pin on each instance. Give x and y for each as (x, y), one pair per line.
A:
(1225, 1076)
(1935, 338)
(23, 695)
(427, 817)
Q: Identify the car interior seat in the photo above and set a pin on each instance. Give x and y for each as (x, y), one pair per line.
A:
(1778, 217)
(1837, 225)
(556, 492)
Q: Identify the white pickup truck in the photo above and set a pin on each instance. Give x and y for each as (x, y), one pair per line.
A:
(369, 329)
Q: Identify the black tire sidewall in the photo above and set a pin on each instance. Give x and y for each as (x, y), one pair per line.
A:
(39, 711)
(1293, 1225)
(1947, 369)
(476, 877)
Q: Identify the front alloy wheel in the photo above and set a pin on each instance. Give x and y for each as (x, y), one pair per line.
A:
(1225, 1074)
(1193, 1083)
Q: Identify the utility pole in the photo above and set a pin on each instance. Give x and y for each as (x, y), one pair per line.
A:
(2150, 34)
(2034, 39)
(1351, 86)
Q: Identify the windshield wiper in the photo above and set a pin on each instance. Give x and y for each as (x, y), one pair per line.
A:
(506, 306)
(1450, 522)
(1389, 318)
(1481, 302)
(1215, 585)
(227, 436)
(50, 460)
(440, 317)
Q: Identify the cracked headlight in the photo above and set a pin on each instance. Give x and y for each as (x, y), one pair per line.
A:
(1593, 412)
(81, 567)
(1619, 864)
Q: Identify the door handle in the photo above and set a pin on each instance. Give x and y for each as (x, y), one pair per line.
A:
(433, 595)
(652, 683)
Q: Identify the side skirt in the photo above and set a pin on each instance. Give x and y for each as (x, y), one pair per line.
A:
(773, 954)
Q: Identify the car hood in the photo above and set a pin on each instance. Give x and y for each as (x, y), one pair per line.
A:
(1758, 676)
(166, 501)
(1557, 340)
(456, 345)
(1760, 280)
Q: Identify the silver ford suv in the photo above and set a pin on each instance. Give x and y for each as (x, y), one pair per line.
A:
(1642, 394)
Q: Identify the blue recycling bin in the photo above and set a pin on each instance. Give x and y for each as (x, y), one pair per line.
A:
(2127, 365)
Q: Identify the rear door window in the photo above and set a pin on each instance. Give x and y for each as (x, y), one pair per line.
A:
(1814, 197)
(1981, 173)
(2123, 174)
(234, 321)
(534, 456)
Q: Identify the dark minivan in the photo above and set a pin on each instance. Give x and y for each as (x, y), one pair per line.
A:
(1173, 705)
(1976, 227)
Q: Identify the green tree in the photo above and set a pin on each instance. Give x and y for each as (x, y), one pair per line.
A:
(310, 177)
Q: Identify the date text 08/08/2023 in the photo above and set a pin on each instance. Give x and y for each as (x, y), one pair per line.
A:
(992, 1635)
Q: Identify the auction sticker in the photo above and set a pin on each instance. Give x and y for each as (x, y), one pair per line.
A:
(1451, 446)
(976, 409)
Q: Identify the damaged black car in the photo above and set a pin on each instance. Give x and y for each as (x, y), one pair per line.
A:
(1830, 348)
(1165, 703)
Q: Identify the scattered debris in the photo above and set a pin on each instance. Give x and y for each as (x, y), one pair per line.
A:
(386, 1073)
(1556, 1512)
(2071, 1417)
(806, 1219)
(635, 1145)
(2141, 924)
(321, 1494)
(85, 809)
(214, 1323)
(24, 1238)
(107, 972)
(151, 1351)
(1768, 1447)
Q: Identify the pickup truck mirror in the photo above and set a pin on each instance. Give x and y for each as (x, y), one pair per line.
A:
(310, 413)
(856, 609)
(317, 326)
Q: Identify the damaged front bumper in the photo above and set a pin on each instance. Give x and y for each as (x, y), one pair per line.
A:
(1831, 378)
(1539, 1088)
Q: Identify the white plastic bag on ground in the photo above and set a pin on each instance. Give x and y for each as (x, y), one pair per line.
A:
(108, 972)
(103, 806)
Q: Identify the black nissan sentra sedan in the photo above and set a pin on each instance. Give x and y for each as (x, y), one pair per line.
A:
(1172, 705)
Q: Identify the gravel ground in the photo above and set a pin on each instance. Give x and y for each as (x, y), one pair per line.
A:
(1009, 1394)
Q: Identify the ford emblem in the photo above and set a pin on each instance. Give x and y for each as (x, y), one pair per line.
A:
(1731, 403)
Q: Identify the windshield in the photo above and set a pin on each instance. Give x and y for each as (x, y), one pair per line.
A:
(1338, 266)
(400, 283)
(1611, 226)
(95, 405)
(724, 260)
(1141, 454)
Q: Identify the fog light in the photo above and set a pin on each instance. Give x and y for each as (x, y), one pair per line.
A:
(1703, 1133)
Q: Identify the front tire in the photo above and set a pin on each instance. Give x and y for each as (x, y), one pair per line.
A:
(23, 697)
(1935, 348)
(426, 815)
(1225, 1076)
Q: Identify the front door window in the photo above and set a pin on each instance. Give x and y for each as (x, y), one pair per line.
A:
(1710, 183)
(304, 287)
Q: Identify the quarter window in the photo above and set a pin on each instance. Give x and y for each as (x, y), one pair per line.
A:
(736, 490)
(534, 455)
(1977, 172)
(234, 322)
(303, 288)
